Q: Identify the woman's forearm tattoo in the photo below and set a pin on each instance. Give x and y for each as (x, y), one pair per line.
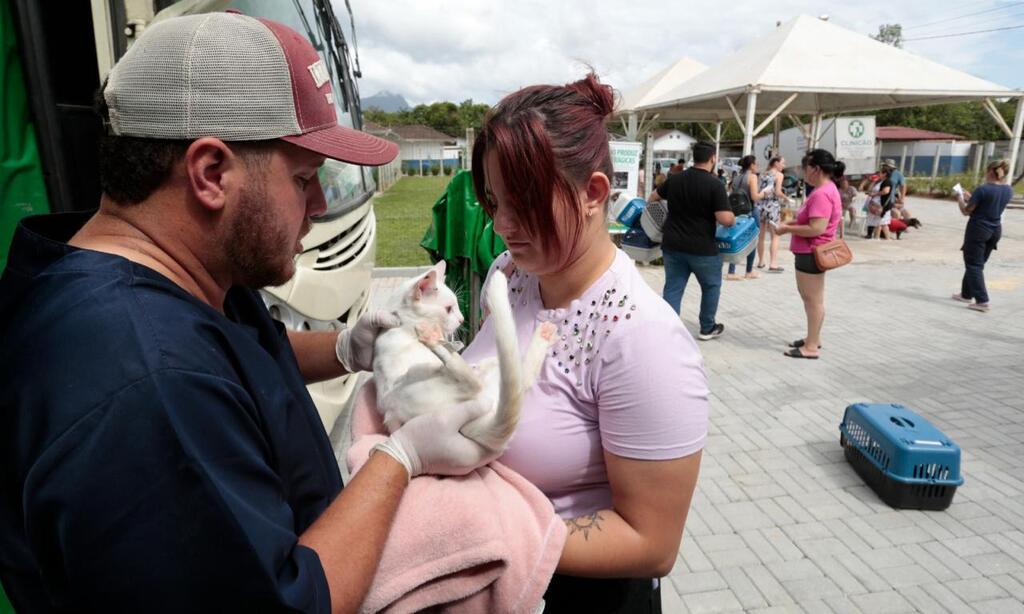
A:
(585, 524)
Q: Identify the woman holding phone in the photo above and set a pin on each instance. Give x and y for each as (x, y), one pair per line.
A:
(815, 224)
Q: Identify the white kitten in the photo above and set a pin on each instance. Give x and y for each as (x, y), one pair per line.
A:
(416, 372)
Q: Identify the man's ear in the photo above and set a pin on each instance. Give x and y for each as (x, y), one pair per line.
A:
(598, 189)
(210, 168)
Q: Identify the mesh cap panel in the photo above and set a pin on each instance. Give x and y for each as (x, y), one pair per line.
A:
(218, 74)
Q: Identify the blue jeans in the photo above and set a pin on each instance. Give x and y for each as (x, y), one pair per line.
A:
(708, 269)
(750, 262)
(979, 241)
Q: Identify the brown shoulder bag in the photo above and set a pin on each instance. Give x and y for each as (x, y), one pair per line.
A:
(832, 255)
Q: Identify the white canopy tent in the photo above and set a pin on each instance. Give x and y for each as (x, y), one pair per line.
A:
(811, 67)
(653, 89)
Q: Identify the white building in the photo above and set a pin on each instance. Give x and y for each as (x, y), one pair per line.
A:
(419, 146)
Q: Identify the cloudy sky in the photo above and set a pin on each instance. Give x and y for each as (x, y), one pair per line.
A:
(429, 50)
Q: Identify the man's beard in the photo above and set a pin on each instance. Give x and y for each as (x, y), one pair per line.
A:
(258, 248)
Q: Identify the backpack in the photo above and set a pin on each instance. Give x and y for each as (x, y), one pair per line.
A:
(739, 199)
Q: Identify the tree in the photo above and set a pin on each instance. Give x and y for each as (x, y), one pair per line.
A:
(890, 34)
(447, 117)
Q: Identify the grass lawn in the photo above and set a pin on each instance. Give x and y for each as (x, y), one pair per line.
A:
(403, 216)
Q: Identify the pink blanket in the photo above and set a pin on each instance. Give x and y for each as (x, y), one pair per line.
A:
(485, 542)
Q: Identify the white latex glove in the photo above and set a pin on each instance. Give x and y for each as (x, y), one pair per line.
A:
(432, 443)
(354, 347)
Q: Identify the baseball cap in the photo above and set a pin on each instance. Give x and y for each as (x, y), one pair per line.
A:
(237, 78)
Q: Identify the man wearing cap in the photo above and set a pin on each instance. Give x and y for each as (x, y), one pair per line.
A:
(899, 185)
(158, 448)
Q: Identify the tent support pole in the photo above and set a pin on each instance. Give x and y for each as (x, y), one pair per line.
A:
(774, 114)
(994, 112)
(649, 164)
(816, 131)
(1018, 126)
(748, 131)
(705, 131)
(735, 113)
(718, 141)
(903, 160)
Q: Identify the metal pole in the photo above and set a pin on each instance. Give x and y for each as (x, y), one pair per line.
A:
(649, 163)
(903, 160)
(935, 162)
(718, 143)
(1018, 126)
(776, 131)
(913, 160)
(817, 131)
(748, 130)
(978, 151)
(632, 130)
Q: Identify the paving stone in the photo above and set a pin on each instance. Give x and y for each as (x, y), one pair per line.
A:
(1003, 606)
(920, 599)
(978, 589)
(768, 585)
(811, 588)
(795, 570)
(889, 602)
(711, 602)
(1011, 585)
(699, 582)
(883, 558)
(743, 587)
(908, 575)
(994, 564)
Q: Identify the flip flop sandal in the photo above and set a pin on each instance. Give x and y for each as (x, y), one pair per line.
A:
(776, 269)
(796, 353)
(799, 343)
(760, 266)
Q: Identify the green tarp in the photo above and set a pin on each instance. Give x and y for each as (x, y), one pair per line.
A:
(22, 191)
(462, 235)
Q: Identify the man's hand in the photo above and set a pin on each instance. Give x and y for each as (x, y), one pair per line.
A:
(432, 443)
(354, 347)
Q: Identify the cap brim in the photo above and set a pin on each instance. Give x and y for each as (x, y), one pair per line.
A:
(347, 145)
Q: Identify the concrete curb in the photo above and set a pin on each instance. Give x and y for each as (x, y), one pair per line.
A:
(399, 271)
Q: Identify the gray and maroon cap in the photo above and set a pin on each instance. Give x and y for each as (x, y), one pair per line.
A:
(237, 78)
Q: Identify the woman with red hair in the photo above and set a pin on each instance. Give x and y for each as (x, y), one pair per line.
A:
(613, 429)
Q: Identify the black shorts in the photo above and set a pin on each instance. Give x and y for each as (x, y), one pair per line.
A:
(569, 595)
(805, 263)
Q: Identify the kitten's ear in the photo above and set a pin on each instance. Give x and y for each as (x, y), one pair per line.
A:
(440, 268)
(426, 284)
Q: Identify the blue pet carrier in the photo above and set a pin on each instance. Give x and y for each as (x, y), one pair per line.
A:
(738, 240)
(631, 212)
(908, 462)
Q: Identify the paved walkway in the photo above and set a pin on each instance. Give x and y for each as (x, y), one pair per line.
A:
(780, 522)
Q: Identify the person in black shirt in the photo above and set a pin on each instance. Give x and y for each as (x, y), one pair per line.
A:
(696, 201)
(159, 451)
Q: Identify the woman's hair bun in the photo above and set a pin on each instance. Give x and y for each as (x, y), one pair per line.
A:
(839, 170)
(598, 94)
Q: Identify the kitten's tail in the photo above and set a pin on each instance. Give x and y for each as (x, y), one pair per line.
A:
(493, 430)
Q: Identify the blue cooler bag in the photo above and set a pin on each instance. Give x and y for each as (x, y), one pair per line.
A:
(738, 240)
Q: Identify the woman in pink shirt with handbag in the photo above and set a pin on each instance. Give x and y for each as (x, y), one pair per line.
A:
(815, 225)
(613, 429)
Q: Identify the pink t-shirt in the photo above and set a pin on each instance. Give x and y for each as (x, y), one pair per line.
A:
(625, 376)
(825, 202)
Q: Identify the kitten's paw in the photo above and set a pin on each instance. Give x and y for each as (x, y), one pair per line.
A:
(548, 332)
(429, 333)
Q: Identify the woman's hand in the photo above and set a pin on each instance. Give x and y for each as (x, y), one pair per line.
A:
(782, 228)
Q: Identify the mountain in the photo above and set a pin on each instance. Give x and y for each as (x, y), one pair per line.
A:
(385, 101)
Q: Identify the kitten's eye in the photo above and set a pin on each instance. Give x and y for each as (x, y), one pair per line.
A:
(448, 308)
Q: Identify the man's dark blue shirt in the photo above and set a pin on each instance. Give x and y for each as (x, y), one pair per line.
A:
(155, 454)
